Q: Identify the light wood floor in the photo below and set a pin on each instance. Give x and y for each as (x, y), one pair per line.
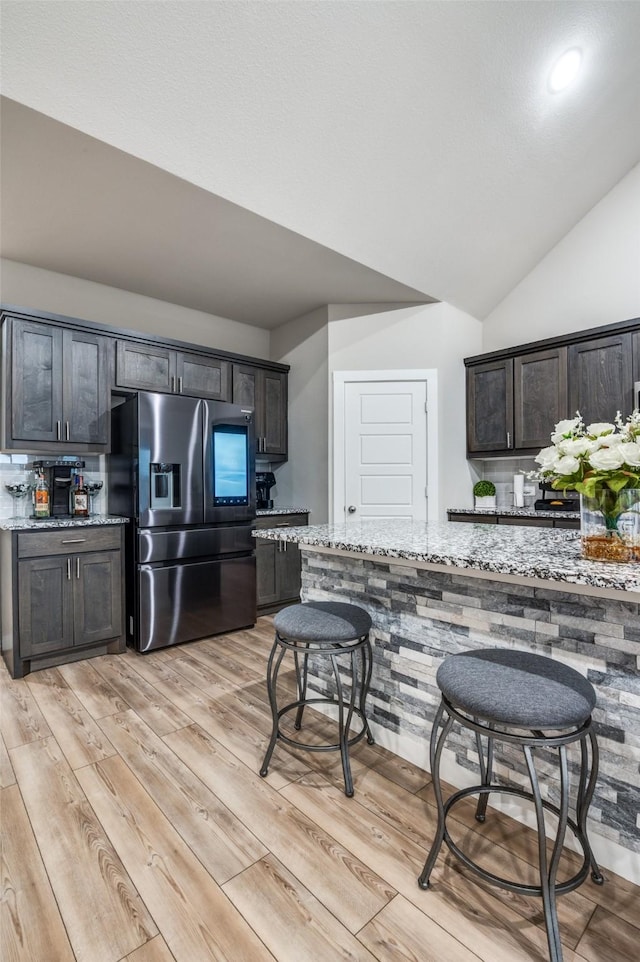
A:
(136, 827)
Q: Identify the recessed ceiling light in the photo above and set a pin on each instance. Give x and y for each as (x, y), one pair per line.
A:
(565, 70)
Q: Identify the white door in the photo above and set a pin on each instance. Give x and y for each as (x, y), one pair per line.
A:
(385, 450)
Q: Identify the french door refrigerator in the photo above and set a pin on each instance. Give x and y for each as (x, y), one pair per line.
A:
(183, 470)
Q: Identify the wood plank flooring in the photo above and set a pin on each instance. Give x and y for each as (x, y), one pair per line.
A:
(136, 827)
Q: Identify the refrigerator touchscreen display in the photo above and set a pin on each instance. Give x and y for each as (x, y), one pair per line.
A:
(230, 465)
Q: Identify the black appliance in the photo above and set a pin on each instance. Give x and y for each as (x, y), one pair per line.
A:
(59, 477)
(182, 469)
(557, 500)
(265, 480)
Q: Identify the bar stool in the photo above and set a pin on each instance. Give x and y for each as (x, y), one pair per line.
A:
(533, 702)
(326, 630)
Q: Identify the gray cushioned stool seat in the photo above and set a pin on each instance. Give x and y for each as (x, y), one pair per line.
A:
(322, 622)
(516, 688)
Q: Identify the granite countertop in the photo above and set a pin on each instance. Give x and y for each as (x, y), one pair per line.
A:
(33, 524)
(550, 554)
(267, 512)
(517, 512)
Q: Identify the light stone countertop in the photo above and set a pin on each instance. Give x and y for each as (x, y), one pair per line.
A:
(549, 554)
(268, 512)
(517, 512)
(38, 524)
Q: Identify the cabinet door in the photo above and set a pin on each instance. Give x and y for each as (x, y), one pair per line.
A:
(540, 396)
(246, 391)
(144, 367)
(274, 414)
(36, 382)
(45, 605)
(97, 596)
(636, 370)
(246, 388)
(600, 378)
(490, 406)
(266, 564)
(203, 376)
(86, 388)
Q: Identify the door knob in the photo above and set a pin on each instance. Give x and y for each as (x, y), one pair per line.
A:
(351, 509)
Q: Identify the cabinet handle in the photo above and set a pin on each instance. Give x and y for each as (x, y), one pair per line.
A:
(74, 541)
(58, 431)
(173, 382)
(67, 431)
(636, 391)
(282, 524)
(180, 385)
(77, 567)
(508, 439)
(68, 569)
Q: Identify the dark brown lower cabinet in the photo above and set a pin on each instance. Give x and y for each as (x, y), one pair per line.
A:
(65, 596)
(278, 565)
(532, 521)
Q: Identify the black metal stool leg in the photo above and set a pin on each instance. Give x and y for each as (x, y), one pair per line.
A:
(367, 667)
(273, 667)
(343, 733)
(585, 795)
(435, 751)
(301, 681)
(548, 872)
(486, 773)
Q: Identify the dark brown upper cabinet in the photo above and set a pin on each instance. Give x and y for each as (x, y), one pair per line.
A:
(513, 403)
(636, 369)
(490, 406)
(265, 391)
(145, 367)
(601, 378)
(516, 397)
(57, 394)
(539, 396)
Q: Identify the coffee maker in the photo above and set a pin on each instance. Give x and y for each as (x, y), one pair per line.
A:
(265, 480)
(59, 477)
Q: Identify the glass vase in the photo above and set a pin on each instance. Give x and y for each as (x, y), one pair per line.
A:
(610, 525)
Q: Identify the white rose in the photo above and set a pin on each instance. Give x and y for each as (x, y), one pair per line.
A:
(631, 453)
(565, 427)
(607, 459)
(547, 458)
(566, 465)
(600, 427)
(577, 446)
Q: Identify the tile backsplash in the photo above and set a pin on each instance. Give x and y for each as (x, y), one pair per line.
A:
(501, 472)
(17, 467)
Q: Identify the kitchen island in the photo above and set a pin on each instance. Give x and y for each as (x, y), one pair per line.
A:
(435, 589)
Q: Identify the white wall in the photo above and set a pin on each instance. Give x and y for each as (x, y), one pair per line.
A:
(303, 480)
(431, 336)
(591, 277)
(24, 286)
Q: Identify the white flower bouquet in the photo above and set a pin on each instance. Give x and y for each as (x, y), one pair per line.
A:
(602, 462)
(589, 459)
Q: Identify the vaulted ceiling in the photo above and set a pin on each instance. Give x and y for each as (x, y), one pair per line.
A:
(257, 159)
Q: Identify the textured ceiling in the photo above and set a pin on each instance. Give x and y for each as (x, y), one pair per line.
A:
(415, 138)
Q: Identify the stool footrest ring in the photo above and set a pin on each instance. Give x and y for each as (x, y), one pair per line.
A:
(521, 888)
(319, 748)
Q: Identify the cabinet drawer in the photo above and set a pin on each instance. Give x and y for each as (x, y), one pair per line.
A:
(68, 541)
(526, 522)
(282, 521)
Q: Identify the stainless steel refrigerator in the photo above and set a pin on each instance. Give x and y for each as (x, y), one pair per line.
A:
(183, 470)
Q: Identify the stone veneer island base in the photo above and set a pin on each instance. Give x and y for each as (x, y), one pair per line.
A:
(433, 590)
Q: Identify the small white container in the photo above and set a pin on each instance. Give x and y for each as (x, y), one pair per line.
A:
(489, 501)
